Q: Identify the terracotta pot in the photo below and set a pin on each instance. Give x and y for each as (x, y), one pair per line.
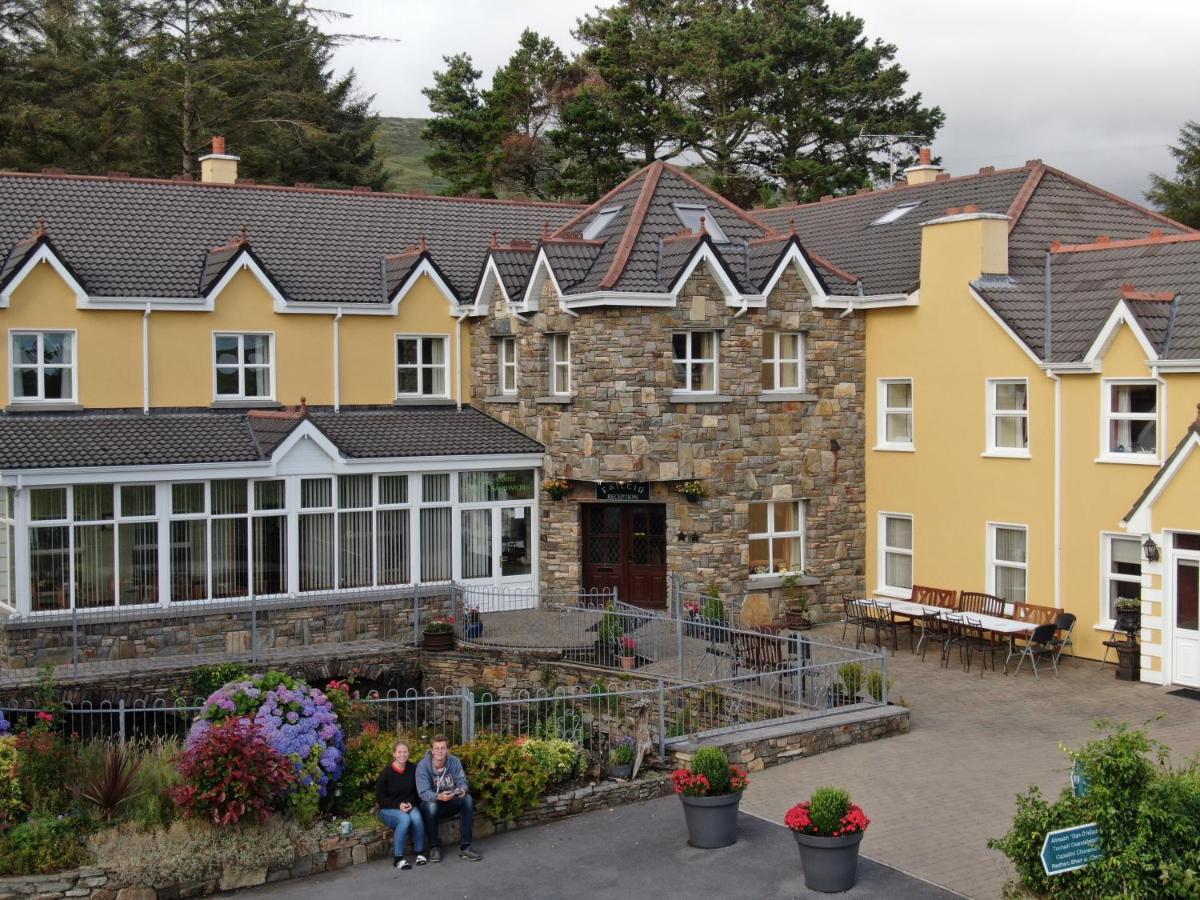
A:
(628, 662)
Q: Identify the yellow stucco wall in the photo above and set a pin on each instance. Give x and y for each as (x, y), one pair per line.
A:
(109, 344)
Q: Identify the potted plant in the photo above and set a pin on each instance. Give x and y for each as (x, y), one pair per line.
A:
(1129, 615)
(472, 623)
(620, 758)
(845, 693)
(828, 829)
(710, 792)
(628, 645)
(556, 487)
(608, 636)
(691, 615)
(692, 490)
(438, 635)
(713, 614)
(796, 614)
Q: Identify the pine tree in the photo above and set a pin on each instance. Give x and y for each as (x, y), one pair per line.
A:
(1179, 198)
(460, 132)
(588, 144)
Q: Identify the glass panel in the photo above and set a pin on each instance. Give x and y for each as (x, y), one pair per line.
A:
(406, 351)
(1186, 541)
(899, 395)
(268, 495)
(898, 533)
(94, 584)
(789, 375)
(435, 488)
(316, 551)
(482, 487)
(1010, 395)
(355, 547)
(1187, 595)
(433, 381)
(229, 496)
(257, 349)
(227, 382)
(47, 503)
(57, 384)
(137, 562)
(258, 382)
(56, 348)
(786, 517)
(316, 493)
(516, 557)
(393, 546)
(406, 381)
(354, 491)
(189, 552)
(679, 345)
(25, 349)
(899, 428)
(1134, 398)
(704, 377)
(49, 567)
(1012, 432)
(226, 348)
(393, 489)
(477, 543)
(435, 351)
(787, 554)
(1010, 584)
(137, 500)
(229, 557)
(26, 383)
(435, 543)
(1122, 590)
(758, 518)
(760, 559)
(768, 376)
(270, 554)
(187, 498)
(898, 570)
(1010, 545)
(1126, 556)
(93, 502)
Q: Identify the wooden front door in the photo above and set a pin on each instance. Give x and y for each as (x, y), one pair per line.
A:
(625, 546)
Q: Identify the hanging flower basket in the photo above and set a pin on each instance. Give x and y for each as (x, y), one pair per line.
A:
(692, 491)
(556, 488)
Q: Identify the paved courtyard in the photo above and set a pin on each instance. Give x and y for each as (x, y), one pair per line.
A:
(938, 793)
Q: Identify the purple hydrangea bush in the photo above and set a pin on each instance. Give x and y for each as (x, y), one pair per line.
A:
(298, 721)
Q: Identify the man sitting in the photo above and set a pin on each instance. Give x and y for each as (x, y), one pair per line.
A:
(442, 787)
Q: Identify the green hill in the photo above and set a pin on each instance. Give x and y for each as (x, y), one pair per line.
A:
(403, 151)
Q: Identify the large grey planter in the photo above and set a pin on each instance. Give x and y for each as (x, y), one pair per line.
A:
(830, 863)
(711, 821)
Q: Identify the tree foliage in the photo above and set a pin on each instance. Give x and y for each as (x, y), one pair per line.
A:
(143, 85)
(1179, 197)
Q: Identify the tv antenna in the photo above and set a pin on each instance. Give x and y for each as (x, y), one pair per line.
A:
(890, 141)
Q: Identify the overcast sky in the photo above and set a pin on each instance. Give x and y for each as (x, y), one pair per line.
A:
(1096, 87)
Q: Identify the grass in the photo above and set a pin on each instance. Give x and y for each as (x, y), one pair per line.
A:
(403, 150)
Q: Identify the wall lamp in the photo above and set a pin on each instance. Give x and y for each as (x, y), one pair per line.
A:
(1150, 549)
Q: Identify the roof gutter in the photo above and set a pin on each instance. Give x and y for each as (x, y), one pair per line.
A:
(850, 301)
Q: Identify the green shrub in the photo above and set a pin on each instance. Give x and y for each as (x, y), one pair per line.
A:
(46, 769)
(204, 680)
(192, 852)
(561, 723)
(852, 678)
(231, 773)
(12, 804)
(875, 685)
(713, 609)
(610, 629)
(559, 759)
(43, 844)
(157, 777)
(505, 780)
(1146, 812)
(367, 754)
(713, 764)
(111, 782)
(826, 808)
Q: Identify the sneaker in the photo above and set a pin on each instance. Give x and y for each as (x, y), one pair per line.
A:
(403, 864)
(421, 860)
(470, 853)
(435, 854)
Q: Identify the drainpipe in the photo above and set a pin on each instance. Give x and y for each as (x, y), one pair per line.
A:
(337, 362)
(146, 361)
(745, 306)
(1058, 466)
(458, 357)
(850, 301)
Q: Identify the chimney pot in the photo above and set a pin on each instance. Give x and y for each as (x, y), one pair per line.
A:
(926, 156)
(1102, 239)
(1156, 234)
(1030, 163)
(218, 144)
(953, 210)
(1056, 245)
(987, 170)
(971, 208)
(1127, 287)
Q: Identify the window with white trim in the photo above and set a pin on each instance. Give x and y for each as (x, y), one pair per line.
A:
(421, 366)
(695, 357)
(560, 364)
(1122, 572)
(43, 366)
(896, 213)
(507, 355)
(243, 366)
(776, 536)
(1130, 419)
(895, 552)
(1008, 561)
(895, 413)
(783, 361)
(1008, 416)
(594, 228)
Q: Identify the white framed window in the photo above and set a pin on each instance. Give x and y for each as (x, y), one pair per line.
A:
(895, 553)
(1008, 417)
(422, 365)
(783, 361)
(243, 366)
(560, 364)
(1008, 561)
(507, 354)
(776, 536)
(1122, 575)
(696, 360)
(693, 216)
(1130, 420)
(895, 423)
(43, 366)
(896, 213)
(593, 228)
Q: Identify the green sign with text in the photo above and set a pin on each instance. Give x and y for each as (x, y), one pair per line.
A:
(1069, 849)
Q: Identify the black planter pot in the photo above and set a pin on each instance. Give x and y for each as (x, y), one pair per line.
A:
(438, 641)
(830, 863)
(619, 770)
(473, 630)
(711, 821)
(1129, 620)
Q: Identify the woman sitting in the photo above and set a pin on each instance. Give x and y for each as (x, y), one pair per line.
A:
(399, 806)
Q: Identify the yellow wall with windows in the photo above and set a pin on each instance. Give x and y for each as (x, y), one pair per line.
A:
(109, 344)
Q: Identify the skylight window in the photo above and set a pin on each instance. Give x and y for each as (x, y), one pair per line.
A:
(598, 224)
(691, 214)
(896, 213)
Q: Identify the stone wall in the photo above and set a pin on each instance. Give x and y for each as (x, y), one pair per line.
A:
(623, 425)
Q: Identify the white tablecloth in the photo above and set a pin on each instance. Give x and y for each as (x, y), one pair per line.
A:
(990, 623)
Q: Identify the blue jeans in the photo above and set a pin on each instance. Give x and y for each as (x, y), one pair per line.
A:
(401, 821)
(433, 810)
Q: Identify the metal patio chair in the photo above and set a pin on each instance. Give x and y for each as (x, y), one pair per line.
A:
(1040, 645)
(1064, 624)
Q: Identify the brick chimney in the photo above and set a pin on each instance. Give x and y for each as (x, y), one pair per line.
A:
(925, 171)
(218, 167)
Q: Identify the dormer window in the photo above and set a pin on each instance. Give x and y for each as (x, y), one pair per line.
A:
(896, 213)
(690, 215)
(595, 227)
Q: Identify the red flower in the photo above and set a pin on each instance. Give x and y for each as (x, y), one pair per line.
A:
(45, 716)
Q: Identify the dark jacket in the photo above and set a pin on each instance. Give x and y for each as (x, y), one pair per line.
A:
(394, 788)
(427, 781)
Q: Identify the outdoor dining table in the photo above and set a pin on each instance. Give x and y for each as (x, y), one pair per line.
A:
(1011, 628)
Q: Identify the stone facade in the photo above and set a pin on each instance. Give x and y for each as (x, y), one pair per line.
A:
(622, 424)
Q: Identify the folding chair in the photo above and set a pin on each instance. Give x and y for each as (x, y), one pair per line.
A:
(1040, 645)
(1064, 624)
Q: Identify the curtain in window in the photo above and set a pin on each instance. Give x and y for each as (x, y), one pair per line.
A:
(229, 557)
(477, 543)
(137, 562)
(434, 372)
(393, 542)
(49, 567)
(354, 549)
(94, 565)
(435, 544)
(270, 554)
(189, 560)
(316, 552)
